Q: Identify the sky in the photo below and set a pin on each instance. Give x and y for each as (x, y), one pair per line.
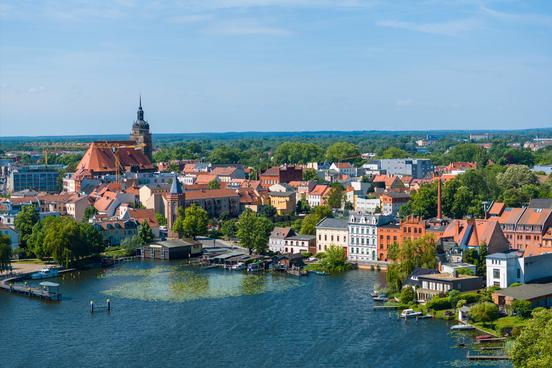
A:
(78, 67)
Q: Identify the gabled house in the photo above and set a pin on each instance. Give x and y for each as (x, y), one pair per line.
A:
(319, 195)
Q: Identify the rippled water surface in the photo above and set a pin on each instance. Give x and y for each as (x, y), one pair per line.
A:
(166, 314)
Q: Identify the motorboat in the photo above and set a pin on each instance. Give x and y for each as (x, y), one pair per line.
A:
(380, 298)
(483, 337)
(409, 313)
(45, 273)
(238, 266)
(462, 327)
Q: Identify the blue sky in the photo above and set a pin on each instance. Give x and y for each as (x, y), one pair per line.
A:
(77, 67)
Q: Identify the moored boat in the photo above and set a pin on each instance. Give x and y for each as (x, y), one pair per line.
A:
(462, 327)
(409, 313)
(483, 337)
(45, 273)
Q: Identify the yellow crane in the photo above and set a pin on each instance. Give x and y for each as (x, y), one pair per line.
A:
(115, 146)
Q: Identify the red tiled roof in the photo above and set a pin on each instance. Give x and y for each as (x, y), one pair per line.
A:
(143, 214)
(224, 171)
(496, 209)
(319, 190)
(205, 178)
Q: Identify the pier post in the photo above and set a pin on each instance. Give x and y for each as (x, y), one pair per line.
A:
(108, 305)
(91, 306)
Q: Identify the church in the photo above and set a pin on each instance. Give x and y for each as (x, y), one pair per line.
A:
(117, 157)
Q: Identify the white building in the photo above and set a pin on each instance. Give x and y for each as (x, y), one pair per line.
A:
(367, 205)
(363, 236)
(503, 269)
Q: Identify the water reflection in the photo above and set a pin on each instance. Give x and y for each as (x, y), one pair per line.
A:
(179, 283)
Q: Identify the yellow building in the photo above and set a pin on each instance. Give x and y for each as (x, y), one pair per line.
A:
(331, 231)
(284, 202)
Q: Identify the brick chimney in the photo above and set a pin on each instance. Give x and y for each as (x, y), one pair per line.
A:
(439, 209)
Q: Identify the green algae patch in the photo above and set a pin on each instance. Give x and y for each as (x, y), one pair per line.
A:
(181, 284)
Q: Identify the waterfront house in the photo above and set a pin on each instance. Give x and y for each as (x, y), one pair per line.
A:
(363, 236)
(332, 231)
(441, 283)
(276, 240)
(300, 244)
(503, 269)
(540, 295)
(172, 249)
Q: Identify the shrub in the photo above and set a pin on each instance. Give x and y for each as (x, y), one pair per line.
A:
(438, 303)
(484, 312)
(522, 308)
(470, 297)
(407, 295)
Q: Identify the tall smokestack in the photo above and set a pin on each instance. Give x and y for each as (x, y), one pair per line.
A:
(439, 209)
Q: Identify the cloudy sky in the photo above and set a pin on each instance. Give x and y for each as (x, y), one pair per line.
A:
(77, 67)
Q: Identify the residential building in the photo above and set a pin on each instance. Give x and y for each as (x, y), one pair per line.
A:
(228, 173)
(281, 174)
(441, 283)
(387, 183)
(42, 178)
(344, 168)
(391, 202)
(113, 230)
(503, 269)
(367, 204)
(11, 233)
(540, 295)
(319, 195)
(363, 236)
(300, 244)
(525, 227)
(215, 201)
(417, 168)
(472, 233)
(152, 196)
(332, 231)
(77, 206)
(284, 202)
(276, 240)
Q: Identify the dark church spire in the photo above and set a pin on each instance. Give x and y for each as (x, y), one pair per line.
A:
(140, 113)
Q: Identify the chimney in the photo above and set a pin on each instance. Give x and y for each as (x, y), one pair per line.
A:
(439, 209)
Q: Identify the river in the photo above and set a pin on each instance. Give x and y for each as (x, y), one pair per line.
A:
(167, 314)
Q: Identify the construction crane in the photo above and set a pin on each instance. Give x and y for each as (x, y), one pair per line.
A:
(115, 146)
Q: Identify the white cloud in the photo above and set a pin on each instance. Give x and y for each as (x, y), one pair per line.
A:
(191, 18)
(537, 19)
(38, 89)
(450, 28)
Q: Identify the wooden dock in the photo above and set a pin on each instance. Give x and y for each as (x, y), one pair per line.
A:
(10, 284)
(491, 339)
(487, 357)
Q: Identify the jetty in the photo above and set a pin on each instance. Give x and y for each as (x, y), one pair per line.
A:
(491, 339)
(47, 290)
(487, 357)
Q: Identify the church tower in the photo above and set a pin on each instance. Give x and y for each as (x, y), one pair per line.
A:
(141, 133)
(175, 199)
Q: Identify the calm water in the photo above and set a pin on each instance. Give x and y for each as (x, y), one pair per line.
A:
(169, 315)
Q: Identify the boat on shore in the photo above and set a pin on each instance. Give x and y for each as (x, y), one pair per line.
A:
(409, 313)
(45, 273)
(238, 267)
(462, 327)
(483, 337)
(380, 298)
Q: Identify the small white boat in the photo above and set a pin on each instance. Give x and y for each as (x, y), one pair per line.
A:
(408, 313)
(238, 267)
(462, 327)
(45, 273)
(381, 298)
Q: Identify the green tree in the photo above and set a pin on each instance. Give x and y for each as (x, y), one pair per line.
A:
(253, 231)
(229, 228)
(5, 253)
(394, 152)
(522, 308)
(178, 225)
(213, 184)
(422, 203)
(533, 347)
(224, 155)
(303, 206)
(297, 153)
(195, 221)
(336, 196)
(310, 174)
(24, 222)
(341, 151)
(131, 243)
(267, 211)
(515, 177)
(161, 220)
(89, 212)
(145, 233)
(408, 295)
(308, 226)
(333, 261)
(484, 312)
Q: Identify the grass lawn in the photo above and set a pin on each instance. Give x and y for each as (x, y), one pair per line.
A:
(115, 252)
(501, 324)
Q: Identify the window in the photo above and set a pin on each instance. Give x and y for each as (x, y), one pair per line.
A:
(496, 273)
(518, 273)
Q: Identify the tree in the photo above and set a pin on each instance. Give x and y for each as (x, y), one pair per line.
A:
(161, 220)
(213, 184)
(484, 312)
(297, 153)
(310, 174)
(5, 253)
(515, 177)
(224, 155)
(303, 206)
(24, 222)
(178, 225)
(467, 152)
(229, 228)
(145, 233)
(195, 221)
(335, 198)
(268, 211)
(308, 226)
(341, 151)
(522, 308)
(407, 295)
(334, 261)
(422, 203)
(89, 212)
(253, 231)
(131, 243)
(410, 254)
(533, 347)
(394, 152)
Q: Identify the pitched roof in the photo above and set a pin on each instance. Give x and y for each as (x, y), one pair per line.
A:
(319, 190)
(100, 158)
(176, 187)
(511, 215)
(527, 291)
(471, 232)
(224, 171)
(281, 232)
(540, 203)
(332, 223)
(205, 178)
(496, 209)
(144, 214)
(535, 216)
